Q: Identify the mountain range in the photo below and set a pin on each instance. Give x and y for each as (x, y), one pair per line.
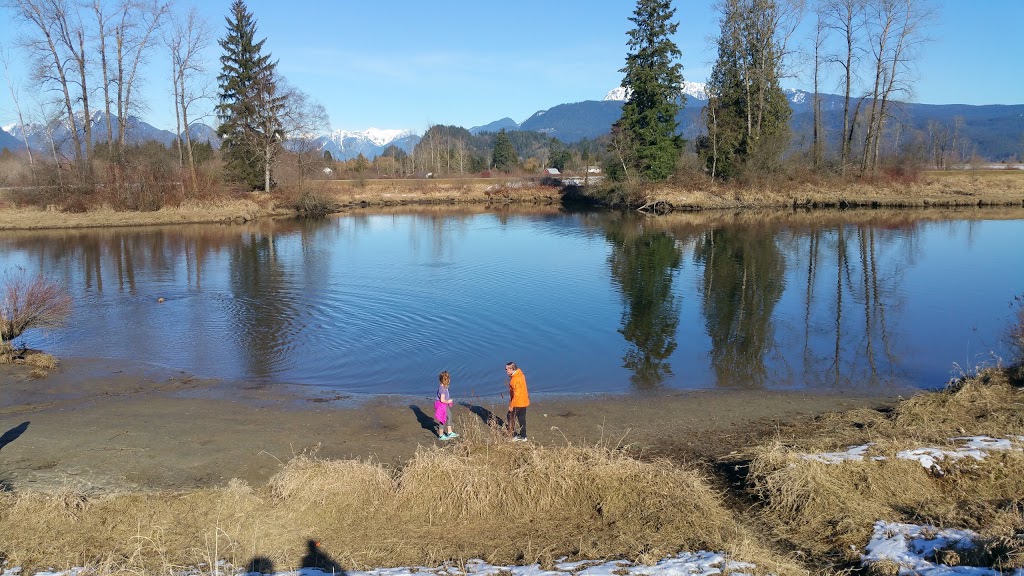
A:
(995, 131)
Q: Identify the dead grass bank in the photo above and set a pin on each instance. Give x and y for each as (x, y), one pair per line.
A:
(252, 207)
(503, 502)
(828, 509)
(928, 189)
(993, 188)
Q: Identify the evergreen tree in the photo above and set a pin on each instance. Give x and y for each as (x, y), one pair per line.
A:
(645, 136)
(747, 115)
(505, 158)
(249, 108)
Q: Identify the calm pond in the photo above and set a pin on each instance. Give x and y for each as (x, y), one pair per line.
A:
(582, 301)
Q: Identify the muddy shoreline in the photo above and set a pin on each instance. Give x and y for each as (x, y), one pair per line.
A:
(104, 426)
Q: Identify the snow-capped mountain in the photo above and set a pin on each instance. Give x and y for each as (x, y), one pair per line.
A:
(345, 144)
(698, 90)
(8, 141)
(342, 144)
(692, 89)
(137, 131)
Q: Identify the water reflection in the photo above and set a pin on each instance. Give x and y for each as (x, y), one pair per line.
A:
(643, 264)
(594, 301)
(744, 277)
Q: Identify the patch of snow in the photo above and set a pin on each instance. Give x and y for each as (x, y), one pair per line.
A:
(697, 90)
(796, 96)
(683, 564)
(913, 548)
(976, 447)
(855, 453)
(377, 136)
(8, 128)
(381, 137)
(618, 94)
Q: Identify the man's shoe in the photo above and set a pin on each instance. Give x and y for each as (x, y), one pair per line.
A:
(519, 439)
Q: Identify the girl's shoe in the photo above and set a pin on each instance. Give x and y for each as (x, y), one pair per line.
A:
(443, 437)
(453, 434)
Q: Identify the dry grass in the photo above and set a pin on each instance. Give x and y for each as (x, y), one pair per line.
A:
(482, 498)
(947, 189)
(962, 189)
(828, 509)
(253, 206)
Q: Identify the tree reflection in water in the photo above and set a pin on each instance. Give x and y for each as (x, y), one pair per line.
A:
(643, 263)
(744, 275)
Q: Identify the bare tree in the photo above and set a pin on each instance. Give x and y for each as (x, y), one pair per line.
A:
(818, 46)
(71, 34)
(896, 31)
(30, 302)
(303, 119)
(46, 51)
(845, 18)
(103, 19)
(139, 20)
(189, 36)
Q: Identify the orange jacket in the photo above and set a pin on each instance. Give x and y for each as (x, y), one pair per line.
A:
(519, 397)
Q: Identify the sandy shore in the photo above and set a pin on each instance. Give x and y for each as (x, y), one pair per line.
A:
(105, 426)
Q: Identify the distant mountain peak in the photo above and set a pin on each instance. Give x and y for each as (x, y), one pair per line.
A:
(696, 90)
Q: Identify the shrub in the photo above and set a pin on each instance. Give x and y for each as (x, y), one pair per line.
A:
(30, 302)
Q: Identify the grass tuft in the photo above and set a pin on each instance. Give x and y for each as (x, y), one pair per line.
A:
(484, 497)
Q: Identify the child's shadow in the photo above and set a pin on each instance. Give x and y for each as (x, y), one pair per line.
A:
(427, 422)
(485, 415)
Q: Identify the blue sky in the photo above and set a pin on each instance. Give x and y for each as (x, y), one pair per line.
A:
(409, 64)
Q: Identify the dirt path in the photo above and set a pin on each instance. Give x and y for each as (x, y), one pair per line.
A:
(107, 426)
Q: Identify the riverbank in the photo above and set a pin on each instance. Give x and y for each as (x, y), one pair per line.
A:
(109, 426)
(985, 188)
(111, 467)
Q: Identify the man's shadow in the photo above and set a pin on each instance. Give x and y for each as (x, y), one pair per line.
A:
(316, 558)
(485, 415)
(427, 422)
(13, 434)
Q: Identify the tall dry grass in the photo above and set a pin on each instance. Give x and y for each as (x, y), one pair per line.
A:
(828, 509)
(504, 502)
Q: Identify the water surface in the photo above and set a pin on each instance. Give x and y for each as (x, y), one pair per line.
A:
(583, 301)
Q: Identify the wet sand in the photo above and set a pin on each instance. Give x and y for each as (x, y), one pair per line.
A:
(104, 426)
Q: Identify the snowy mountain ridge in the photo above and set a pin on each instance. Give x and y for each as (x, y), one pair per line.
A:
(696, 90)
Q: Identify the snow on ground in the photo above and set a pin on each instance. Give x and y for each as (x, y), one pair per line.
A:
(976, 447)
(913, 549)
(683, 564)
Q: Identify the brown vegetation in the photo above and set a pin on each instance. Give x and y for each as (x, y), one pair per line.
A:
(29, 302)
(511, 503)
(483, 498)
(28, 209)
(828, 510)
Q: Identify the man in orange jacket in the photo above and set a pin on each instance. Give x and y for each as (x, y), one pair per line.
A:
(519, 399)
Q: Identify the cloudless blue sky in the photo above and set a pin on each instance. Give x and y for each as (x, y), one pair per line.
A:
(409, 64)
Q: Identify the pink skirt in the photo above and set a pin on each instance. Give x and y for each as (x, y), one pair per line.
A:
(440, 412)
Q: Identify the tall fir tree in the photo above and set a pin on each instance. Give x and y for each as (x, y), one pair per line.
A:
(249, 108)
(747, 116)
(505, 157)
(646, 137)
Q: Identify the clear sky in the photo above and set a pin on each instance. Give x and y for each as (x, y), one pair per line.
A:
(409, 64)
